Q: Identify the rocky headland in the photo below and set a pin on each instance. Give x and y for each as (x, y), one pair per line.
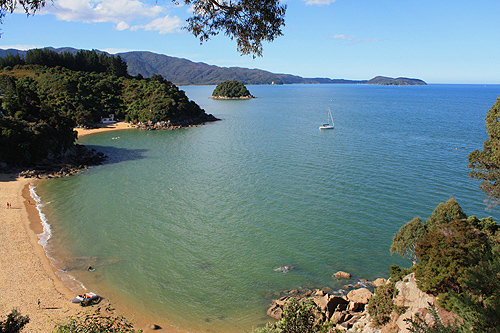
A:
(346, 310)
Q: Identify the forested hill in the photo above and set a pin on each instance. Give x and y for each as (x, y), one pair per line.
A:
(185, 72)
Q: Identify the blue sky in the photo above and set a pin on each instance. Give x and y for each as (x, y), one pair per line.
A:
(440, 41)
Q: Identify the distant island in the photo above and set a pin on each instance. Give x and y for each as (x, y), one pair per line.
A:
(231, 90)
(400, 81)
(183, 72)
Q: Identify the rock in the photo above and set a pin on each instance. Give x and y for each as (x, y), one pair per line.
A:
(153, 327)
(319, 292)
(342, 275)
(275, 312)
(378, 282)
(416, 300)
(337, 318)
(361, 295)
(355, 307)
(295, 291)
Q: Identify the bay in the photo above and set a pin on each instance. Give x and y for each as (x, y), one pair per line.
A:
(189, 226)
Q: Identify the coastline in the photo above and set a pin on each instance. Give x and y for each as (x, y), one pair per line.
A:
(103, 128)
(26, 272)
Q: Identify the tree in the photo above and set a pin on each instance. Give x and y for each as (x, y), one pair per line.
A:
(14, 322)
(405, 240)
(485, 164)
(250, 22)
(445, 213)
(446, 254)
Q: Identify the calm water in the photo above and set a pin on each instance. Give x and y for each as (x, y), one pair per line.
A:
(190, 225)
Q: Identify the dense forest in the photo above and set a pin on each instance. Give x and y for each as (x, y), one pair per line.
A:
(231, 89)
(42, 101)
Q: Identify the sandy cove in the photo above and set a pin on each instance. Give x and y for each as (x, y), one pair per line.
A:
(26, 275)
(103, 128)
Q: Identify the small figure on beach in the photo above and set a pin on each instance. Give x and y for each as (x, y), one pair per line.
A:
(8, 205)
(90, 269)
(38, 304)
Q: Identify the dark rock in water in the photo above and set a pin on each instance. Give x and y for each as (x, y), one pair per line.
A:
(284, 269)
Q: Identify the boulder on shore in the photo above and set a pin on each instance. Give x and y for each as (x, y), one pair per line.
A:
(361, 295)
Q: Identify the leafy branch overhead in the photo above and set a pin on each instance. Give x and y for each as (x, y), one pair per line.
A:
(249, 22)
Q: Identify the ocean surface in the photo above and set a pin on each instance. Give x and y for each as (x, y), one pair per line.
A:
(191, 226)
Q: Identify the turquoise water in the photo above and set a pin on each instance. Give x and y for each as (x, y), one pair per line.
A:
(188, 226)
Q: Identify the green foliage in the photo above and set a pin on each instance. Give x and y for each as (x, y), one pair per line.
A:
(248, 21)
(299, 316)
(445, 213)
(485, 164)
(231, 89)
(446, 255)
(100, 320)
(381, 305)
(405, 240)
(14, 322)
(479, 306)
(40, 108)
(397, 274)
(82, 60)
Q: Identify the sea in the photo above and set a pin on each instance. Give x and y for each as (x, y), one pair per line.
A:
(197, 229)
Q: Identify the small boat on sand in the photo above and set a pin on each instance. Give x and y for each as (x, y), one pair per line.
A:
(87, 299)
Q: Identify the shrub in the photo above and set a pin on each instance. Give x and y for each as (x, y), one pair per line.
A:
(14, 322)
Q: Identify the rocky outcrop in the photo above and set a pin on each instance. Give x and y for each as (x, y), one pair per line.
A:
(76, 159)
(176, 124)
(416, 300)
(341, 311)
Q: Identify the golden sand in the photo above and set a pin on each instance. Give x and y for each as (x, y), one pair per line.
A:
(103, 128)
(26, 276)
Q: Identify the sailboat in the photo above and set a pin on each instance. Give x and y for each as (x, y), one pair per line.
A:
(327, 125)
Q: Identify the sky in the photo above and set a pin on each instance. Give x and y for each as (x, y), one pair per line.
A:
(439, 41)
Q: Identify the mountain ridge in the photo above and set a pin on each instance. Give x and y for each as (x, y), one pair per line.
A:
(183, 72)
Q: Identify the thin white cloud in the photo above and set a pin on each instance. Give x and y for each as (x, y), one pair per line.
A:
(351, 40)
(344, 37)
(21, 47)
(123, 13)
(319, 2)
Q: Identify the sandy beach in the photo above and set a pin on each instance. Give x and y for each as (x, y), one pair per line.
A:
(25, 272)
(103, 128)
(26, 275)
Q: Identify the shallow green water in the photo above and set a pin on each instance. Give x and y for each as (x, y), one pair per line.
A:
(190, 225)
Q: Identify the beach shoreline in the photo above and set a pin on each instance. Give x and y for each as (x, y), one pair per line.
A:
(103, 128)
(26, 269)
(30, 283)
(29, 280)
